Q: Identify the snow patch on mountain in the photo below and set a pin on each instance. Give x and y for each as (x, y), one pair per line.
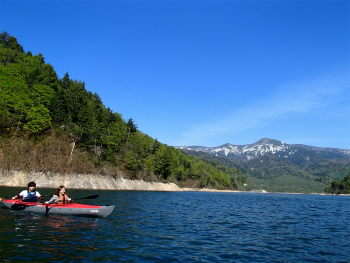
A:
(263, 147)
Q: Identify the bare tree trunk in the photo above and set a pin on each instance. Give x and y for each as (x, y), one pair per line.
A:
(71, 153)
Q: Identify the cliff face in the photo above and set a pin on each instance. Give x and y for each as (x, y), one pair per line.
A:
(81, 181)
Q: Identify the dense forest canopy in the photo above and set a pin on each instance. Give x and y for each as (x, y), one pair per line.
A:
(55, 125)
(341, 186)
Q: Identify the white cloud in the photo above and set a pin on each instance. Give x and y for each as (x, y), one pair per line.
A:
(289, 99)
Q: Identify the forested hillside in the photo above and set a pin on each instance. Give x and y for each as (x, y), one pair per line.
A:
(55, 125)
(341, 186)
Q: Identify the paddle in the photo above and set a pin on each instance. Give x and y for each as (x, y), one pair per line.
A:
(8, 198)
(23, 206)
(88, 197)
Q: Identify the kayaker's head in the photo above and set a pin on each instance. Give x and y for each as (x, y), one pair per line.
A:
(61, 190)
(31, 186)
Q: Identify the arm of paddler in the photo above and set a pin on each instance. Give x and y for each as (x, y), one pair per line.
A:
(53, 199)
(69, 199)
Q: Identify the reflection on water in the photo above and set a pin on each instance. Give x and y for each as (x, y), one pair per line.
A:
(51, 237)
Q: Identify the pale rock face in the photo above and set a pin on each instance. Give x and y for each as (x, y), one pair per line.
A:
(81, 181)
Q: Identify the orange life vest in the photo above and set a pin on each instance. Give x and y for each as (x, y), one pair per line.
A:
(62, 199)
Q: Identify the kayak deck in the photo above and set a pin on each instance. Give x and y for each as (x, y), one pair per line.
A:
(68, 209)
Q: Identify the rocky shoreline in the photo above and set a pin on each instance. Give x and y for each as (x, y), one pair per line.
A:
(81, 181)
(89, 181)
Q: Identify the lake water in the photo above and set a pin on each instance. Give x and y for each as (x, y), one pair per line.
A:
(183, 227)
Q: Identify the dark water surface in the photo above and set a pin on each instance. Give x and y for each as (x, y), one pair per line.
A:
(183, 227)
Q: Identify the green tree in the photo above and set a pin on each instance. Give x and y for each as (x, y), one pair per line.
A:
(339, 187)
(37, 119)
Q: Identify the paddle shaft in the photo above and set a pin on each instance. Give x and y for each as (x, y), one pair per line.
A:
(79, 198)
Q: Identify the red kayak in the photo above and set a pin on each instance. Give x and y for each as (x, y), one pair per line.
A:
(67, 209)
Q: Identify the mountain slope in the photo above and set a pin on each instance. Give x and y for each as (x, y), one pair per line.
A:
(269, 159)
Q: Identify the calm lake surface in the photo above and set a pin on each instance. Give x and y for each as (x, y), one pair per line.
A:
(183, 227)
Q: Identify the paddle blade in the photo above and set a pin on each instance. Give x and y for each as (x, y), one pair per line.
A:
(91, 197)
(18, 207)
(88, 197)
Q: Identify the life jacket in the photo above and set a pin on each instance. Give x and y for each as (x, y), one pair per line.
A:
(62, 199)
(31, 197)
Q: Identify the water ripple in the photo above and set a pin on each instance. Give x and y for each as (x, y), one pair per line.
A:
(186, 227)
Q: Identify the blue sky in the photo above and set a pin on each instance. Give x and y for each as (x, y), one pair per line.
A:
(192, 72)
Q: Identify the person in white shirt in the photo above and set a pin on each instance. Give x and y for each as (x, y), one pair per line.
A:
(29, 195)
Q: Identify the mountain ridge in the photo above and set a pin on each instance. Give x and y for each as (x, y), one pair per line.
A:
(261, 147)
(270, 162)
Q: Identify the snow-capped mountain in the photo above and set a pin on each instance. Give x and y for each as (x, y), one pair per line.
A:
(268, 147)
(280, 166)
